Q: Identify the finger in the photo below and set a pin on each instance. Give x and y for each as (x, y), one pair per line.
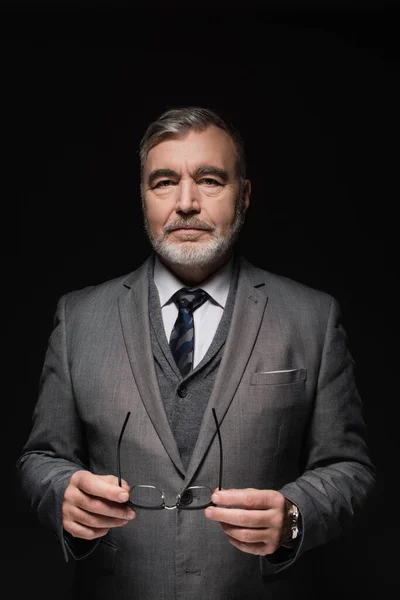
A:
(125, 486)
(259, 549)
(114, 480)
(74, 497)
(242, 518)
(85, 533)
(103, 486)
(96, 521)
(105, 508)
(249, 536)
(249, 498)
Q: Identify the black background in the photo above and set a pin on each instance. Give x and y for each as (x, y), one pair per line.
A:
(313, 89)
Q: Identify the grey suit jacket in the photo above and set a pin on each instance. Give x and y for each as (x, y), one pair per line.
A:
(291, 419)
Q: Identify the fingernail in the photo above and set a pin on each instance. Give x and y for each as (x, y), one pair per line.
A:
(131, 515)
(208, 512)
(215, 498)
(124, 496)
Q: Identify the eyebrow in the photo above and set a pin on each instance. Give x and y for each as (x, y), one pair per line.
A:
(199, 172)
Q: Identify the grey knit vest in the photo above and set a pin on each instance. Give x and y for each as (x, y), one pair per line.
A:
(185, 399)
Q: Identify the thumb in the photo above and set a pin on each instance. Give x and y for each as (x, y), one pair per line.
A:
(114, 480)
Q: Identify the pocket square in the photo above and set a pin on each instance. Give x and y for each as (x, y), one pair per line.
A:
(279, 371)
(278, 377)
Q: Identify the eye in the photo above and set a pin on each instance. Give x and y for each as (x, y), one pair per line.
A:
(209, 181)
(164, 183)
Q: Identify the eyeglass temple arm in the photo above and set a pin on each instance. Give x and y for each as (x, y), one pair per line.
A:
(219, 439)
(221, 462)
(118, 448)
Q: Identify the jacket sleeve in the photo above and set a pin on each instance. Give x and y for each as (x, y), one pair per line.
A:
(338, 475)
(55, 448)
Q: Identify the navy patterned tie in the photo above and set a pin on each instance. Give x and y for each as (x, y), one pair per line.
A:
(182, 337)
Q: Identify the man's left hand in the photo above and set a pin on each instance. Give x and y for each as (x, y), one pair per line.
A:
(255, 521)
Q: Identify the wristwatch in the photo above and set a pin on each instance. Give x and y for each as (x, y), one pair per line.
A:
(294, 527)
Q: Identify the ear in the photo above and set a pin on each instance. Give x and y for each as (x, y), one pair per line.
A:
(246, 195)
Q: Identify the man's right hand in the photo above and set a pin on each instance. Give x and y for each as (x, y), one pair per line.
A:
(93, 504)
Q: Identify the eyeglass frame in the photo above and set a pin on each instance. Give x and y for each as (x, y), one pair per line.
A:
(178, 496)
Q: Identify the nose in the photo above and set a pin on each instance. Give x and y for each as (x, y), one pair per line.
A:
(188, 200)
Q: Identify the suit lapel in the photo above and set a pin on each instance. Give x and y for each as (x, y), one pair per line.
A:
(134, 315)
(247, 316)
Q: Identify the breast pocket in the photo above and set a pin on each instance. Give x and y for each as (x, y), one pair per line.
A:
(281, 377)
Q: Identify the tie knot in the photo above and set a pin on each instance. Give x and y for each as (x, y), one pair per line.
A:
(189, 299)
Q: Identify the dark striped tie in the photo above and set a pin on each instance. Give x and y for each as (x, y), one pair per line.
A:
(182, 337)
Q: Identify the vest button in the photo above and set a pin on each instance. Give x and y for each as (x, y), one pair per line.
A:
(182, 391)
(186, 498)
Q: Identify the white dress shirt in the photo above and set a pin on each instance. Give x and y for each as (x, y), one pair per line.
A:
(207, 316)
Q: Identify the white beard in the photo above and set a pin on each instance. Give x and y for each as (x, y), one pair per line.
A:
(195, 254)
(191, 254)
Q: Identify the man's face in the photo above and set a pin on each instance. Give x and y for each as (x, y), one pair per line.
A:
(190, 194)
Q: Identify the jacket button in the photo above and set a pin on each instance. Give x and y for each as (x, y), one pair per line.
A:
(182, 391)
(186, 498)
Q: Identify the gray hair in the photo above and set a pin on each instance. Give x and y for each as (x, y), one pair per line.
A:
(177, 122)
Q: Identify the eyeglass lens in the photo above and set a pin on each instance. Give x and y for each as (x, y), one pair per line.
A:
(149, 496)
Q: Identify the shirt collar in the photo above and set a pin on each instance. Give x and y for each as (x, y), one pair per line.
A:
(217, 285)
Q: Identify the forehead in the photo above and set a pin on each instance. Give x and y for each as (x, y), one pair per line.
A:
(212, 147)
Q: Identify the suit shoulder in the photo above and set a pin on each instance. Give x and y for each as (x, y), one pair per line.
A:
(98, 298)
(96, 291)
(298, 288)
(108, 289)
(288, 288)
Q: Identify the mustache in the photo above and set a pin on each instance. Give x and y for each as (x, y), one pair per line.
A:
(189, 223)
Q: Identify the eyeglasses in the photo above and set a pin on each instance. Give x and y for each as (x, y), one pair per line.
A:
(149, 496)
